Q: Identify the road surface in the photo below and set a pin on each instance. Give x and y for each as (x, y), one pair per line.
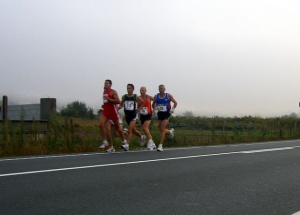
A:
(258, 178)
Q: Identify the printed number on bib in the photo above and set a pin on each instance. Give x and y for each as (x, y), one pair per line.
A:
(129, 105)
(104, 98)
(144, 111)
(162, 108)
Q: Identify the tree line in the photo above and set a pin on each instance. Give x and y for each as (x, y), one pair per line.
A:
(78, 109)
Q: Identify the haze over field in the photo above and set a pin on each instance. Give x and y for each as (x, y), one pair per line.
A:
(229, 58)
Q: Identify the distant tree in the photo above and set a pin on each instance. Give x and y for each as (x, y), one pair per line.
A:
(77, 109)
(188, 114)
(91, 113)
(292, 116)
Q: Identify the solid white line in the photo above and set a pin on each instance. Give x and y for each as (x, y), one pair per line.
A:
(113, 164)
(50, 156)
(145, 161)
(267, 150)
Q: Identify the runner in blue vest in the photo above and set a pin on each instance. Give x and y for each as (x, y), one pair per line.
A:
(162, 104)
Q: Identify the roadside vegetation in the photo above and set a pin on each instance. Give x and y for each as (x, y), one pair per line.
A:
(72, 135)
(75, 129)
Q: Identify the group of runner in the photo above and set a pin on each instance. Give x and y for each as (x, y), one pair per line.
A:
(144, 106)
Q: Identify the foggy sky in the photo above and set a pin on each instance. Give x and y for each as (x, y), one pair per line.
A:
(228, 58)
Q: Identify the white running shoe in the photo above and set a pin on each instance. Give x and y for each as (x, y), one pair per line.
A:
(150, 145)
(111, 149)
(103, 145)
(153, 144)
(125, 146)
(143, 138)
(160, 148)
(171, 134)
(125, 131)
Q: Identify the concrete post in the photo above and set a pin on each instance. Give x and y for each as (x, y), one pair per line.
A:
(4, 107)
(48, 106)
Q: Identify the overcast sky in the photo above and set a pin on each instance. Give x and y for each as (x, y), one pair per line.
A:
(216, 57)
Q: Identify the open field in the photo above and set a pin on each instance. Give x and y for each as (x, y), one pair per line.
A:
(73, 135)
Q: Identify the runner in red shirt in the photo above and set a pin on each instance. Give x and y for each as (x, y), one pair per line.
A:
(110, 112)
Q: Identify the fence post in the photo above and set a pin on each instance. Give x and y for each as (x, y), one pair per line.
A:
(4, 108)
(47, 107)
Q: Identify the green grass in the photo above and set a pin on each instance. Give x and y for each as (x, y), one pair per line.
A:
(73, 135)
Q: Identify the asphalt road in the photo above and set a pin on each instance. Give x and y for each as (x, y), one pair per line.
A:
(259, 178)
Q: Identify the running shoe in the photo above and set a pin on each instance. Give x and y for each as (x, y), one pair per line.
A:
(150, 145)
(171, 134)
(111, 149)
(125, 146)
(153, 145)
(160, 148)
(143, 138)
(125, 131)
(103, 145)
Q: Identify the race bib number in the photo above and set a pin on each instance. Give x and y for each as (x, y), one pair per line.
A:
(144, 111)
(162, 108)
(129, 105)
(104, 98)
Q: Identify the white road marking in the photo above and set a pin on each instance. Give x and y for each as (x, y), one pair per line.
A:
(50, 156)
(267, 150)
(114, 164)
(144, 161)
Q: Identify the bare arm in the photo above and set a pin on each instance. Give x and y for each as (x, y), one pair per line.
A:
(173, 100)
(141, 102)
(154, 102)
(115, 98)
(121, 103)
(151, 98)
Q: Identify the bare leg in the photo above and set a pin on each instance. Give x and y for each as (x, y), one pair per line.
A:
(163, 130)
(116, 133)
(136, 132)
(103, 132)
(108, 126)
(145, 128)
(119, 129)
(131, 129)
